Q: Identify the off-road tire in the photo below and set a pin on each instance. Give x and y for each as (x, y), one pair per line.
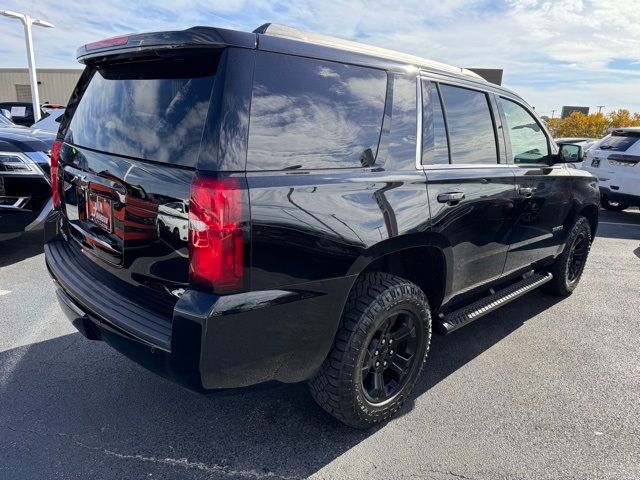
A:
(337, 387)
(561, 284)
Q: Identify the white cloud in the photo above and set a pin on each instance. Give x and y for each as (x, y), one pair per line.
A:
(553, 52)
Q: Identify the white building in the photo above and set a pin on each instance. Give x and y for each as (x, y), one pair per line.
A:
(54, 84)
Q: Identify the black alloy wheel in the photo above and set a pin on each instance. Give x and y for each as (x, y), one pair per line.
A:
(568, 267)
(378, 351)
(390, 356)
(577, 257)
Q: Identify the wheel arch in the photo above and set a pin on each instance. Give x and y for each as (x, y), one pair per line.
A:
(591, 213)
(417, 258)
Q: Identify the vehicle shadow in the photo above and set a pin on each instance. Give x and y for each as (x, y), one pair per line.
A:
(80, 401)
(620, 225)
(25, 246)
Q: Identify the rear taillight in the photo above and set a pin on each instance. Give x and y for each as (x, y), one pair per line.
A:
(109, 42)
(623, 160)
(55, 160)
(217, 229)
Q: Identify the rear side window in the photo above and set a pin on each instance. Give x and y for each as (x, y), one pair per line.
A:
(471, 133)
(434, 133)
(528, 141)
(310, 114)
(619, 142)
(153, 109)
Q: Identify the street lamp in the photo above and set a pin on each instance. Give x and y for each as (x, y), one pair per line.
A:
(27, 21)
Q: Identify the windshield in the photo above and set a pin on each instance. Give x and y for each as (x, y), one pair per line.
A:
(153, 109)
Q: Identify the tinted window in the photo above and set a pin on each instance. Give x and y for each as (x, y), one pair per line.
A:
(618, 142)
(313, 114)
(402, 137)
(470, 125)
(528, 141)
(155, 110)
(434, 133)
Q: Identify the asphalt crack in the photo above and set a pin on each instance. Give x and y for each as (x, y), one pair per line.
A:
(174, 462)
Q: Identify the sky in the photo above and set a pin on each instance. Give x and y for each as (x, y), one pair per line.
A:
(554, 53)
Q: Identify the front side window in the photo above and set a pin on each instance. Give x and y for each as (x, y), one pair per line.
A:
(308, 113)
(472, 137)
(528, 141)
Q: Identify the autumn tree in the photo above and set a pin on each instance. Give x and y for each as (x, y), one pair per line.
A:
(595, 125)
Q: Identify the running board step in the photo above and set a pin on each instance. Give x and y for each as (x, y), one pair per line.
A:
(454, 320)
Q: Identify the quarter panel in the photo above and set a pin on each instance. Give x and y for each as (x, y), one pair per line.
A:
(313, 225)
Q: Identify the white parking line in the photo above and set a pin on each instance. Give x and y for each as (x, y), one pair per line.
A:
(4, 292)
(623, 224)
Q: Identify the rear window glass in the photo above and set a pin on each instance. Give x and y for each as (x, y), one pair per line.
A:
(153, 110)
(310, 114)
(618, 142)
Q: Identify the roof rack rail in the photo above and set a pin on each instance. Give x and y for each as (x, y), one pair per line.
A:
(285, 31)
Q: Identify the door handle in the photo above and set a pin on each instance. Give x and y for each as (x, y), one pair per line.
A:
(527, 191)
(450, 197)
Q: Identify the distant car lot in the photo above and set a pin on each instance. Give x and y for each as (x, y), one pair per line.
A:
(541, 389)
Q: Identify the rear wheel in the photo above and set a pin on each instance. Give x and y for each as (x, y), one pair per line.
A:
(568, 267)
(613, 206)
(378, 352)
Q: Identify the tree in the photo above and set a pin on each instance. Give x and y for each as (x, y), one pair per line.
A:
(595, 125)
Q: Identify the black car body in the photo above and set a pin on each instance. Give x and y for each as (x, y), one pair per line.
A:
(307, 163)
(25, 188)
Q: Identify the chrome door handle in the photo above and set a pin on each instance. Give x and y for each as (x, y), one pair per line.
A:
(527, 191)
(450, 197)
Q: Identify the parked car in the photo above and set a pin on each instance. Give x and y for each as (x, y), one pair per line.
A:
(615, 161)
(6, 122)
(585, 143)
(50, 120)
(21, 112)
(173, 219)
(343, 201)
(25, 188)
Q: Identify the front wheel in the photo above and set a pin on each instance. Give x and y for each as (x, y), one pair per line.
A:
(613, 206)
(568, 267)
(378, 352)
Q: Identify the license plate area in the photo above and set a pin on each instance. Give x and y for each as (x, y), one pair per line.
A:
(99, 211)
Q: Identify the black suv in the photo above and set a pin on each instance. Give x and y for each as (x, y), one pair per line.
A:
(339, 202)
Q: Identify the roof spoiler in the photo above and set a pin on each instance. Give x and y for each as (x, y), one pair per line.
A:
(195, 37)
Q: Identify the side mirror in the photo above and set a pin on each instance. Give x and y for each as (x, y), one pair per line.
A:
(570, 153)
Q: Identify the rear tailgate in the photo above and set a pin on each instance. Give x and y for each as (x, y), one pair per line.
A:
(131, 145)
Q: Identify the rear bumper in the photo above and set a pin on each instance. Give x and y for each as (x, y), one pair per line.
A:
(613, 195)
(217, 341)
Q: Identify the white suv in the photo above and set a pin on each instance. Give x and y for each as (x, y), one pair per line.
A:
(615, 161)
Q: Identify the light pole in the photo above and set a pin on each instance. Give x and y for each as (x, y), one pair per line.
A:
(27, 21)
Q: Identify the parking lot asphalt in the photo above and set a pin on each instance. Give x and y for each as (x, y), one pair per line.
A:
(543, 388)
